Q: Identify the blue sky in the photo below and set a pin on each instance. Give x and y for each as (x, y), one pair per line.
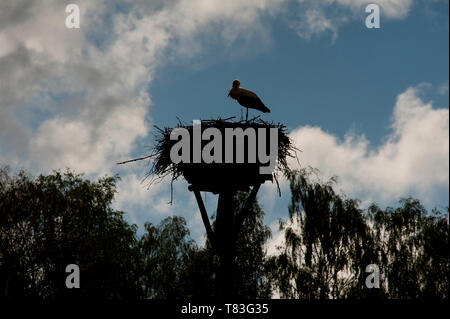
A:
(367, 105)
(351, 82)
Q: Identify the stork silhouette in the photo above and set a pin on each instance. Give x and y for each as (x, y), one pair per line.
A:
(247, 98)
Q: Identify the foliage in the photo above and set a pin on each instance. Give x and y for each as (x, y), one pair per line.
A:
(248, 265)
(250, 280)
(165, 251)
(58, 219)
(61, 219)
(415, 250)
(327, 251)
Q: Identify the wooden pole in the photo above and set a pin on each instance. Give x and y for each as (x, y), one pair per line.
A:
(205, 219)
(225, 244)
(223, 239)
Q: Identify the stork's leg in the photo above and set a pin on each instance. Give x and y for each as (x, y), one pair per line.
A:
(246, 115)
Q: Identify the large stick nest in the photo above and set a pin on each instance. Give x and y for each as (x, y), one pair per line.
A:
(161, 165)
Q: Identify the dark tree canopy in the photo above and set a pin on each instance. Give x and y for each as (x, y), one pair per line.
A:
(327, 251)
(165, 251)
(415, 248)
(61, 218)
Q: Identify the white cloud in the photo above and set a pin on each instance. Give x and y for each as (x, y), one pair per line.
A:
(87, 148)
(314, 22)
(140, 201)
(277, 239)
(278, 236)
(318, 17)
(151, 203)
(414, 159)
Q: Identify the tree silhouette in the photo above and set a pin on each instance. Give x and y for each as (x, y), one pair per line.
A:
(248, 265)
(250, 252)
(415, 248)
(165, 250)
(58, 219)
(326, 255)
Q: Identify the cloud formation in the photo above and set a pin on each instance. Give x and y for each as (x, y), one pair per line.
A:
(317, 17)
(413, 160)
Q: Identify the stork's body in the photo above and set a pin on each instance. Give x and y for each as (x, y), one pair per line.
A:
(247, 98)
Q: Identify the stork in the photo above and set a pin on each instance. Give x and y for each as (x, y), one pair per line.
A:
(246, 98)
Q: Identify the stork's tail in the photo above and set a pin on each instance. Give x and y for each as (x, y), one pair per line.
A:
(264, 109)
